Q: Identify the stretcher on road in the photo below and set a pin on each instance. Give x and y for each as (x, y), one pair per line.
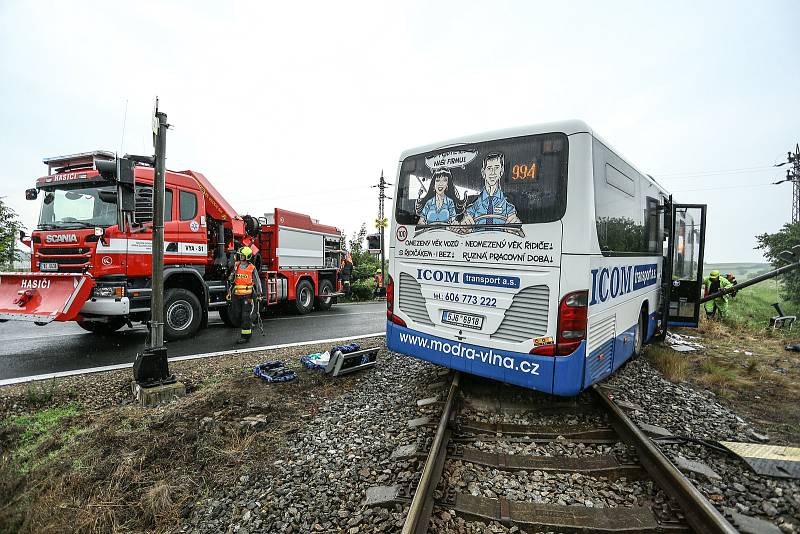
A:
(43, 297)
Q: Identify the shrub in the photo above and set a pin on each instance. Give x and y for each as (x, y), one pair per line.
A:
(363, 289)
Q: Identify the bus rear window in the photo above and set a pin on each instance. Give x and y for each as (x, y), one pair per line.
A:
(497, 185)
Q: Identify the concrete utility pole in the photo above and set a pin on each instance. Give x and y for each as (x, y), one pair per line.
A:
(157, 300)
(381, 222)
(153, 383)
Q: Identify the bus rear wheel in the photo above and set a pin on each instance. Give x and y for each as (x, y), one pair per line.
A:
(638, 338)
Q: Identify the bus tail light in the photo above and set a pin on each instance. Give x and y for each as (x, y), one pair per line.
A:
(572, 320)
(390, 304)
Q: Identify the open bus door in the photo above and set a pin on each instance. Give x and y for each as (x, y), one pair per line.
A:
(683, 265)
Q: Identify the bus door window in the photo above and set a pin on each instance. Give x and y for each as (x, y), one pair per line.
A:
(687, 264)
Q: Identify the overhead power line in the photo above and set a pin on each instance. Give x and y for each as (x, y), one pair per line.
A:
(721, 172)
(722, 187)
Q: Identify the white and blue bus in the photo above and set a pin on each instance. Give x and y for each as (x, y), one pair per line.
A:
(536, 256)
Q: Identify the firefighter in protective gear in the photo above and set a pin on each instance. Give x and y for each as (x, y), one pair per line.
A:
(378, 282)
(346, 273)
(245, 289)
(712, 284)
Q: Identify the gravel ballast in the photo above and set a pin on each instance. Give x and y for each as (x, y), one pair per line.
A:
(320, 483)
(342, 444)
(689, 412)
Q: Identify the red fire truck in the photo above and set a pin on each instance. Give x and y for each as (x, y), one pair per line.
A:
(91, 250)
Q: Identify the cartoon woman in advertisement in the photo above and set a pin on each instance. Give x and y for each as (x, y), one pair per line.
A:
(441, 204)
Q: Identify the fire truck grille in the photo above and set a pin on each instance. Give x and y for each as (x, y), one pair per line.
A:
(69, 259)
(63, 251)
(70, 269)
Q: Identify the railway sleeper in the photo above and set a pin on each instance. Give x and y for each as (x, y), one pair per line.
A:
(540, 516)
(561, 518)
(604, 465)
(579, 432)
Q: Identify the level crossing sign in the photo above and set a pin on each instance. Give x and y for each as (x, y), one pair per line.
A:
(381, 223)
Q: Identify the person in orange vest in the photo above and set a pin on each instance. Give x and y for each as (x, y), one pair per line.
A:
(245, 287)
(346, 273)
(378, 282)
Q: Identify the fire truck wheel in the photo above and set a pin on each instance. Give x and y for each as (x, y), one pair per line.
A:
(304, 297)
(320, 303)
(98, 327)
(229, 317)
(182, 314)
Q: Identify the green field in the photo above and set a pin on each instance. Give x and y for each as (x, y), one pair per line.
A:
(752, 308)
(742, 271)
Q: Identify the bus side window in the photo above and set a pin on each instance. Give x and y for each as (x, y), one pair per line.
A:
(654, 226)
(618, 208)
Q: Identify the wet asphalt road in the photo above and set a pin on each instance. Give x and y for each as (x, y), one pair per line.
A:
(27, 349)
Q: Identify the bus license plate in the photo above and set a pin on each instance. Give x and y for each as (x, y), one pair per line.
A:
(466, 320)
(44, 266)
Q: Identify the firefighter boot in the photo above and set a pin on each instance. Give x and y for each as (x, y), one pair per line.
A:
(244, 338)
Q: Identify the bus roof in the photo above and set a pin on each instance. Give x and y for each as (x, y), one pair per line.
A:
(568, 127)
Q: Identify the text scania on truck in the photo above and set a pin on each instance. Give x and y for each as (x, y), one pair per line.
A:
(91, 250)
(536, 256)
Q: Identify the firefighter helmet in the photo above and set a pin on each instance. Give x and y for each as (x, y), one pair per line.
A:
(246, 252)
(714, 274)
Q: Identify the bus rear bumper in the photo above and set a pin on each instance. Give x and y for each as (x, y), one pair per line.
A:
(562, 375)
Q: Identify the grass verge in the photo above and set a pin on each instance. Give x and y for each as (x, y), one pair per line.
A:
(127, 469)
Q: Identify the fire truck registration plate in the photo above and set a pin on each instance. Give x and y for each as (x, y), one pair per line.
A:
(466, 320)
(43, 266)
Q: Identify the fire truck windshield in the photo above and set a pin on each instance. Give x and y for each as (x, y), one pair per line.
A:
(78, 207)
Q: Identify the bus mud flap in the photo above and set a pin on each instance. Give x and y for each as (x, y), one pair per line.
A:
(43, 297)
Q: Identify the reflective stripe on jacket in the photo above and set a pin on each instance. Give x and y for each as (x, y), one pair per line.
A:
(243, 279)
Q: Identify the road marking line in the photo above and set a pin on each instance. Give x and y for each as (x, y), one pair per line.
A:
(42, 338)
(89, 370)
(142, 328)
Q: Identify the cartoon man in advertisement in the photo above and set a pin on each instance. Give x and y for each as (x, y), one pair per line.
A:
(491, 207)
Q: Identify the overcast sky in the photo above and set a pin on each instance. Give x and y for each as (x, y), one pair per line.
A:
(300, 104)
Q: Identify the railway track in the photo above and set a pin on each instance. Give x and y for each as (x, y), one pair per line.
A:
(597, 423)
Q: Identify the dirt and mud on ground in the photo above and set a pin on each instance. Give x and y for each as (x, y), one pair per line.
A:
(77, 455)
(747, 369)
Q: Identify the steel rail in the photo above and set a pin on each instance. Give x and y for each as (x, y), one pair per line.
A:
(419, 513)
(699, 512)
